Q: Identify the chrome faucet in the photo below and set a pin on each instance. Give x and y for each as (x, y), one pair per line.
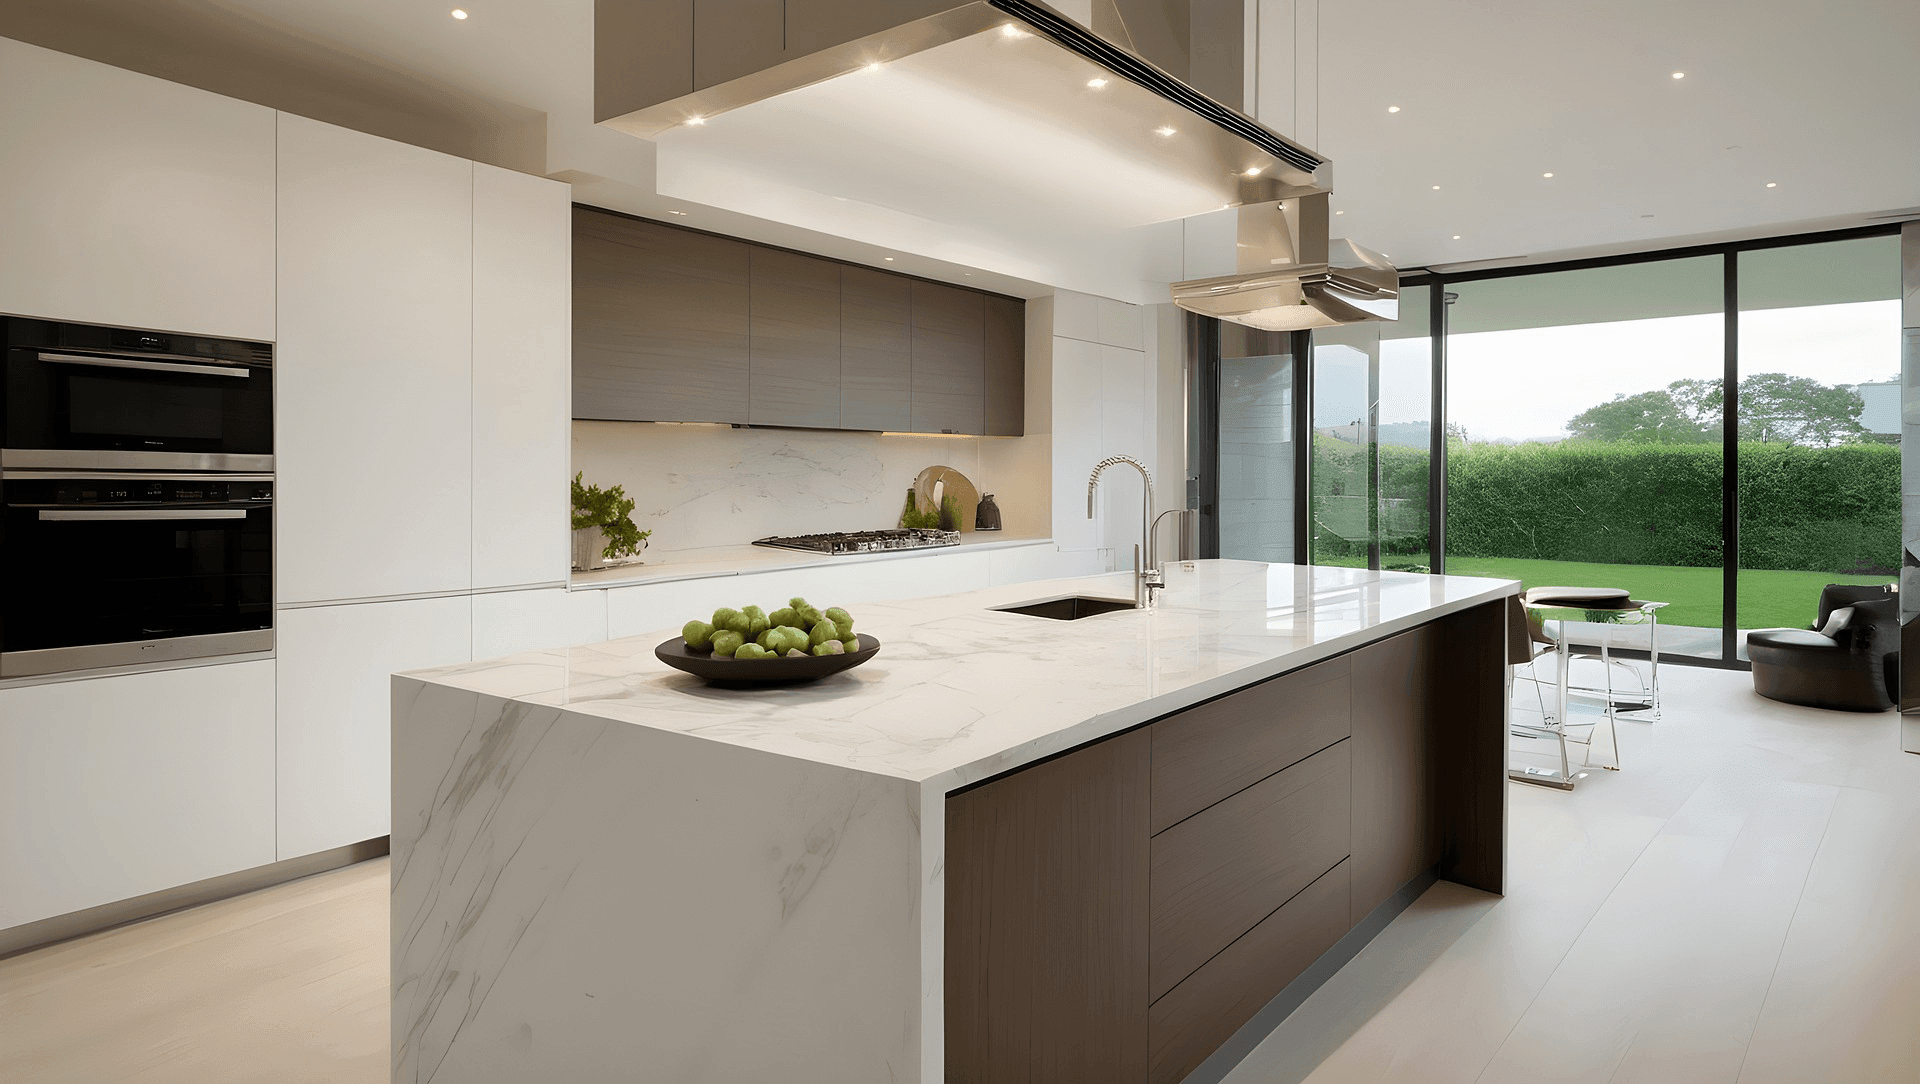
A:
(1147, 577)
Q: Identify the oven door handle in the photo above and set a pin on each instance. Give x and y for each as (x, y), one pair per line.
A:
(142, 363)
(113, 514)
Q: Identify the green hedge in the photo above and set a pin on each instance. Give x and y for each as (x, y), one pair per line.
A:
(1808, 509)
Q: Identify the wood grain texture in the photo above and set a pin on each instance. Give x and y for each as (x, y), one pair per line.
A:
(1468, 746)
(660, 322)
(876, 350)
(949, 326)
(1215, 875)
(793, 344)
(1046, 927)
(1394, 835)
(1207, 753)
(1195, 1017)
(1004, 412)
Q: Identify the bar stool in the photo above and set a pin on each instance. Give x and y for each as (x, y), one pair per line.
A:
(1548, 612)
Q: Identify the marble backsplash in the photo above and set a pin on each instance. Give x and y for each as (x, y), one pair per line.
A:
(713, 485)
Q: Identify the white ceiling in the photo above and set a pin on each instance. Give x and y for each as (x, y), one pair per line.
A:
(1820, 98)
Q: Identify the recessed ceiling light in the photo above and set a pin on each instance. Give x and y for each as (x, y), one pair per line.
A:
(1393, 109)
(1772, 184)
(874, 67)
(889, 259)
(1456, 237)
(459, 14)
(1252, 172)
(1165, 131)
(1436, 188)
(696, 120)
(1096, 83)
(682, 214)
(1679, 75)
(1339, 212)
(1012, 31)
(1546, 175)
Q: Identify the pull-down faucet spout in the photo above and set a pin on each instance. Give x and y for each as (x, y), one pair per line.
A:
(1146, 566)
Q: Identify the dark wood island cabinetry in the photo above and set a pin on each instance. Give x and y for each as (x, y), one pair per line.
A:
(1121, 911)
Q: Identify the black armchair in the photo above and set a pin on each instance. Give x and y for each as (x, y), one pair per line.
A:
(1854, 668)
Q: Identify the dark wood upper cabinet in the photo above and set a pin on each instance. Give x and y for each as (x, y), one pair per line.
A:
(672, 325)
(732, 38)
(1006, 368)
(949, 359)
(793, 339)
(660, 322)
(876, 350)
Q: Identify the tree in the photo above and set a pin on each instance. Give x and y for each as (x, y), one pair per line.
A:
(1784, 409)
(1685, 412)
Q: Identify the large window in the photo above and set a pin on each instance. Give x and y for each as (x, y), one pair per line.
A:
(1716, 429)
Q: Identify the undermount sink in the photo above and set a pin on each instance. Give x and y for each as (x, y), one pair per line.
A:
(1071, 608)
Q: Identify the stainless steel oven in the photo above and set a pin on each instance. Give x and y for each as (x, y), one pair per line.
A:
(116, 569)
(80, 397)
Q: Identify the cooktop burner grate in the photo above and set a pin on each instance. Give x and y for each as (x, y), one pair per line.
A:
(841, 543)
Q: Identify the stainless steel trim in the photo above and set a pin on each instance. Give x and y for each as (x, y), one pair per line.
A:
(103, 459)
(124, 514)
(203, 368)
(54, 660)
(142, 476)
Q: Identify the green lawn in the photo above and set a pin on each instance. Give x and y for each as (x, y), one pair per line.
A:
(1767, 599)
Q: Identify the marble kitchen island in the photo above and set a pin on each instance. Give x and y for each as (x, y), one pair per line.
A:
(606, 870)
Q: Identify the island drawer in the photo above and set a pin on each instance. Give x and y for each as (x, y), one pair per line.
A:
(1224, 746)
(1195, 1017)
(1217, 874)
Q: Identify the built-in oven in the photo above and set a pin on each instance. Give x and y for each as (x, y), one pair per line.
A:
(111, 570)
(83, 397)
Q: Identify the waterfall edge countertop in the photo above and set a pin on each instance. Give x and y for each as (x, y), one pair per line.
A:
(961, 691)
(605, 870)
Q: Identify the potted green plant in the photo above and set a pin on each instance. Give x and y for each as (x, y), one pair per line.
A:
(603, 528)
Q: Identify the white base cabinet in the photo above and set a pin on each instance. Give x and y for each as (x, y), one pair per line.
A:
(334, 710)
(121, 786)
(131, 201)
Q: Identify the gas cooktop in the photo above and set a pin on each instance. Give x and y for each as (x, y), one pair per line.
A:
(842, 543)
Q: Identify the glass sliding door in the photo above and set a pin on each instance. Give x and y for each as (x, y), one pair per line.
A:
(1585, 432)
(1343, 512)
(1404, 450)
(1819, 415)
(1256, 505)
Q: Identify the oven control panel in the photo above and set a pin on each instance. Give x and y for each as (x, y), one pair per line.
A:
(150, 492)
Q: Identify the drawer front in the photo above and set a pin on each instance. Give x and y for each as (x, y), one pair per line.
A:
(1195, 1017)
(1217, 874)
(1223, 747)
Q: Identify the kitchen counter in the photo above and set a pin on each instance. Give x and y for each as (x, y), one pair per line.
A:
(714, 561)
(603, 865)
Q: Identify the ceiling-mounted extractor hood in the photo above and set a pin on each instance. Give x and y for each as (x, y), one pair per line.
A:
(997, 111)
(1288, 275)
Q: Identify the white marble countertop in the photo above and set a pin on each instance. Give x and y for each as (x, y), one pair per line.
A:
(960, 691)
(715, 561)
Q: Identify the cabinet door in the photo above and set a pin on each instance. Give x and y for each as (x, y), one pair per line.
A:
(522, 377)
(115, 787)
(335, 706)
(1006, 367)
(876, 350)
(133, 201)
(374, 445)
(948, 359)
(793, 339)
(659, 322)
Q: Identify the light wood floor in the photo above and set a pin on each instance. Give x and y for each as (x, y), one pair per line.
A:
(287, 985)
(1740, 904)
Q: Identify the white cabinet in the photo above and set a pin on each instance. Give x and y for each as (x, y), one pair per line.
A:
(505, 622)
(121, 786)
(522, 377)
(132, 201)
(374, 433)
(335, 705)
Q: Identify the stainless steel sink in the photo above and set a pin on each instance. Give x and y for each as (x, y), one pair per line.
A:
(1071, 608)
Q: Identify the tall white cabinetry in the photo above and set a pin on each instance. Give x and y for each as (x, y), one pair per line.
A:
(131, 201)
(422, 440)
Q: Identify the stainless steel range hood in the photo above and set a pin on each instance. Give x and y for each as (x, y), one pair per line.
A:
(1288, 275)
(915, 105)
